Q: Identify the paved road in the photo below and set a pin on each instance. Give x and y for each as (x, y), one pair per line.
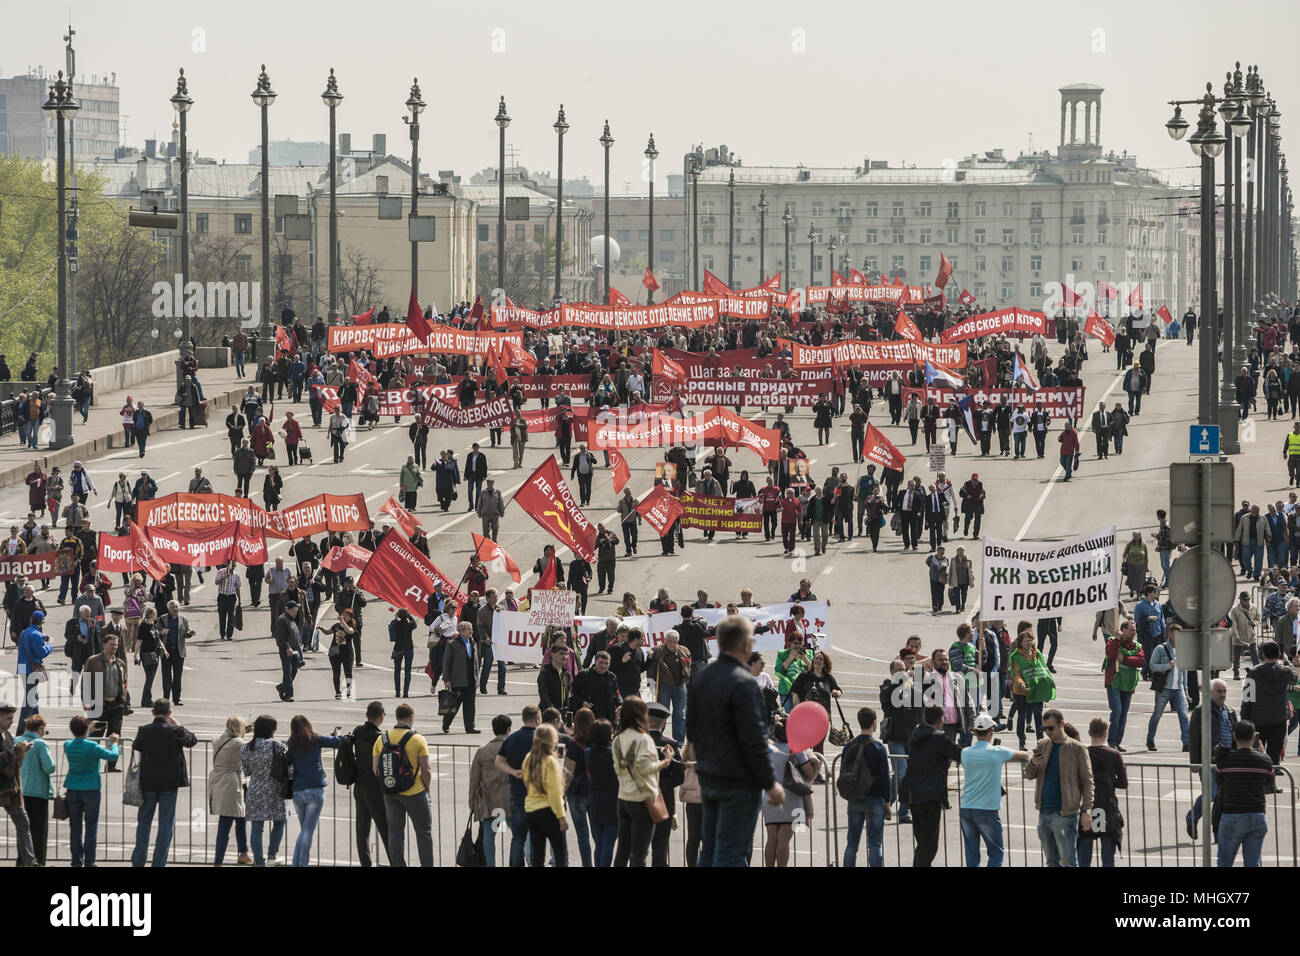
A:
(877, 600)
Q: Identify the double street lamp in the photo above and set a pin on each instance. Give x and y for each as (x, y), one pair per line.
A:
(651, 154)
(502, 121)
(63, 105)
(332, 98)
(695, 223)
(263, 97)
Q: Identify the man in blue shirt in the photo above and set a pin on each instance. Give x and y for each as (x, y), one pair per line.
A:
(1149, 617)
(33, 648)
(981, 795)
(510, 760)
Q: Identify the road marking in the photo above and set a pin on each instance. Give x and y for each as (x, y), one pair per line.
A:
(829, 570)
(684, 566)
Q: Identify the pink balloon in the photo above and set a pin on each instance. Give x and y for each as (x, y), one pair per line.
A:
(806, 726)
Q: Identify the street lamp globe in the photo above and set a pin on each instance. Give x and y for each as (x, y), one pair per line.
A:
(262, 94)
(762, 201)
(1257, 92)
(650, 152)
(560, 126)
(1274, 115)
(1213, 141)
(785, 216)
(331, 97)
(1177, 126)
(1241, 123)
(181, 101)
(812, 233)
(415, 102)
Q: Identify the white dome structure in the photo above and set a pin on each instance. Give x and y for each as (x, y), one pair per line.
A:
(598, 250)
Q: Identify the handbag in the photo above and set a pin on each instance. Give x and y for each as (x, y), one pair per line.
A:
(841, 735)
(470, 853)
(132, 795)
(60, 809)
(448, 702)
(796, 784)
(954, 595)
(239, 614)
(655, 805)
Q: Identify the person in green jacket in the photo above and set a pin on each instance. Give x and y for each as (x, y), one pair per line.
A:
(409, 482)
(1031, 684)
(82, 783)
(1124, 661)
(38, 789)
(791, 661)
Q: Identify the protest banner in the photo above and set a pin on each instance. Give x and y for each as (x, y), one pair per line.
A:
(551, 608)
(714, 513)
(1079, 575)
(1057, 402)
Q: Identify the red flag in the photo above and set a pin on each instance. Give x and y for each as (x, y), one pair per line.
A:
(509, 304)
(714, 286)
(365, 317)
(476, 311)
(520, 358)
(349, 556)
(791, 300)
(876, 447)
(898, 280)
(837, 279)
(945, 271)
(282, 340)
(906, 328)
(416, 322)
(1163, 313)
(664, 367)
(550, 574)
(1135, 297)
(1099, 328)
(966, 298)
(358, 374)
(498, 369)
(622, 473)
(546, 499)
(402, 576)
(116, 553)
(771, 284)
(856, 277)
(618, 298)
(1106, 290)
(649, 281)
(660, 510)
(489, 551)
(405, 520)
(1069, 298)
(145, 555)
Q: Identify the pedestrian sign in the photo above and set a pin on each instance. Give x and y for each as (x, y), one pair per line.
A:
(1203, 440)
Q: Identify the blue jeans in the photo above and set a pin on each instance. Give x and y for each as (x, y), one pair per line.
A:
(277, 834)
(1059, 837)
(1067, 462)
(727, 825)
(31, 697)
(629, 537)
(1119, 701)
(1107, 843)
(897, 771)
(1018, 443)
(675, 699)
(403, 689)
(1194, 814)
(1164, 566)
(1245, 830)
(1252, 560)
(1177, 702)
(239, 363)
(873, 818)
(288, 670)
(986, 825)
(518, 829)
(489, 841)
(1135, 403)
(581, 827)
(164, 801)
(307, 804)
(83, 825)
(68, 583)
(605, 836)
(1118, 438)
(224, 825)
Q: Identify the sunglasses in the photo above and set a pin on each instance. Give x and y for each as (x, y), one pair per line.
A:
(1049, 727)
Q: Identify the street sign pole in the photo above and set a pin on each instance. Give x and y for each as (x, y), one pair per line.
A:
(1207, 741)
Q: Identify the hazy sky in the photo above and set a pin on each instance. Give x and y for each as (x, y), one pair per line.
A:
(779, 82)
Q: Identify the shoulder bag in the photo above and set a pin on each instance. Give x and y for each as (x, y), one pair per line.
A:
(655, 805)
(839, 736)
(132, 796)
(470, 854)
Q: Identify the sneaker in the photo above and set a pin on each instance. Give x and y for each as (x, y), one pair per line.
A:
(1151, 746)
(244, 860)
(1191, 827)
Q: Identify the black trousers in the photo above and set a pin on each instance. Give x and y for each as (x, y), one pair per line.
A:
(977, 516)
(769, 525)
(1272, 736)
(172, 666)
(241, 485)
(1040, 439)
(466, 707)
(370, 808)
(604, 576)
(659, 841)
(925, 832)
(38, 817)
(226, 614)
(584, 487)
(635, 830)
(255, 589)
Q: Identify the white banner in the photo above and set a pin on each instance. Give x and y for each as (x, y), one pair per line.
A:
(551, 607)
(1049, 578)
(516, 641)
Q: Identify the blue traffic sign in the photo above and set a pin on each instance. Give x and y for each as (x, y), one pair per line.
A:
(1203, 440)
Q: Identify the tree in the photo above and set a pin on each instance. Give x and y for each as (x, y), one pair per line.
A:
(115, 289)
(217, 259)
(359, 285)
(529, 272)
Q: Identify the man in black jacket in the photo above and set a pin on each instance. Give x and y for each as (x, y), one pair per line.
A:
(553, 681)
(1222, 719)
(694, 635)
(579, 579)
(901, 707)
(1242, 772)
(727, 726)
(288, 641)
(926, 783)
(160, 746)
(1267, 710)
(365, 789)
(627, 662)
(602, 640)
(476, 470)
(597, 688)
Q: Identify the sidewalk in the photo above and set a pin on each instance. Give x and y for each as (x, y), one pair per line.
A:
(103, 429)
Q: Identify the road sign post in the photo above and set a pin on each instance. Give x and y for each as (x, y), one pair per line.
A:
(1207, 479)
(1203, 440)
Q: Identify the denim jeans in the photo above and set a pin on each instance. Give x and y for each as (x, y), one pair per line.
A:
(1059, 838)
(164, 801)
(1067, 462)
(986, 825)
(307, 804)
(1018, 443)
(1245, 830)
(224, 825)
(1107, 844)
(83, 825)
(1194, 814)
(581, 827)
(1164, 566)
(1177, 702)
(727, 825)
(898, 770)
(873, 818)
(239, 362)
(674, 698)
(605, 836)
(1119, 701)
(518, 829)
(1252, 560)
(277, 834)
(489, 840)
(401, 689)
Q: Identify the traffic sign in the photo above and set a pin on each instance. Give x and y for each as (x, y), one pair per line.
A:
(1203, 440)
(1185, 502)
(1185, 592)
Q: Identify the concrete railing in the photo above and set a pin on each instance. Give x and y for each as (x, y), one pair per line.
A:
(115, 378)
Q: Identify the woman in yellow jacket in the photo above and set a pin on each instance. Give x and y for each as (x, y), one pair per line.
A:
(544, 802)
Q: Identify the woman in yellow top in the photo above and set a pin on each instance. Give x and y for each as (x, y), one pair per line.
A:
(629, 607)
(637, 762)
(544, 802)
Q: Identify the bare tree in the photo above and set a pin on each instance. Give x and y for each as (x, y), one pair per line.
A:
(359, 285)
(115, 295)
(217, 259)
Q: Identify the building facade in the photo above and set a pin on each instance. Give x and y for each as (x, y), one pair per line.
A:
(27, 130)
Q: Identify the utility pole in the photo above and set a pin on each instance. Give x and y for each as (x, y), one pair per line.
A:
(71, 57)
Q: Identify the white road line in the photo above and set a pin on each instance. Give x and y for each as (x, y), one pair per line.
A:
(828, 570)
(684, 566)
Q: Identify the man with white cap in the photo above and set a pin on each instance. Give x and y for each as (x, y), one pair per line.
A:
(981, 795)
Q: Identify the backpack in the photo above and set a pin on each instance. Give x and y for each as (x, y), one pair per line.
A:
(395, 771)
(856, 779)
(345, 763)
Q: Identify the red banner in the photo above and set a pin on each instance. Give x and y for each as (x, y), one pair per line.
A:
(489, 551)
(900, 354)
(152, 564)
(896, 294)
(620, 470)
(876, 447)
(548, 420)
(402, 576)
(1057, 402)
(577, 387)
(674, 311)
(664, 367)
(250, 547)
(716, 425)
(966, 298)
(30, 566)
(743, 305)
(1013, 321)
(546, 499)
(497, 413)
(1099, 328)
(702, 371)
(618, 298)
(660, 510)
(405, 520)
(391, 339)
(349, 556)
(188, 512)
(905, 328)
(195, 549)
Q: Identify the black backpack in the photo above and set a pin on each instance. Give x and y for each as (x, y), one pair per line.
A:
(855, 778)
(395, 771)
(345, 763)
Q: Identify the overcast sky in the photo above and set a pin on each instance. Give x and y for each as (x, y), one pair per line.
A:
(824, 84)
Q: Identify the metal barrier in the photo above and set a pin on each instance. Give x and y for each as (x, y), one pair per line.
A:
(9, 411)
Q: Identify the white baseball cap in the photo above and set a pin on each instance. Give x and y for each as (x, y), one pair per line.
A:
(984, 723)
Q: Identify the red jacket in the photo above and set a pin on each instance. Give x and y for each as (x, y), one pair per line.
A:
(791, 509)
(1069, 442)
(770, 495)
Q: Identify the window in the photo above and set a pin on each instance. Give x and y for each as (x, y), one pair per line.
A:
(952, 237)
(623, 235)
(954, 210)
(1007, 264)
(1101, 237)
(666, 255)
(1076, 237)
(873, 209)
(897, 208)
(1101, 211)
(979, 263)
(1008, 210)
(1036, 263)
(1076, 265)
(898, 237)
(1078, 211)
(872, 264)
(1101, 263)
(1036, 210)
(708, 262)
(483, 233)
(924, 265)
(643, 235)
(817, 236)
(666, 235)
(201, 224)
(817, 264)
(925, 237)
(844, 209)
(243, 224)
(708, 207)
(896, 263)
(1008, 236)
(243, 263)
(979, 237)
(1035, 290)
(539, 232)
(519, 232)
(816, 209)
(1035, 237)
(707, 237)
(979, 290)
(1006, 290)
(926, 209)
(872, 236)
(955, 263)
(981, 210)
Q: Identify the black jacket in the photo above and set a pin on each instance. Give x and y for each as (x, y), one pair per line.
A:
(929, 754)
(898, 707)
(1271, 679)
(727, 726)
(597, 691)
(694, 637)
(550, 689)
(162, 759)
(629, 674)
(363, 748)
(1194, 731)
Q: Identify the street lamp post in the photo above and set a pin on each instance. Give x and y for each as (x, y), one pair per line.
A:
(1229, 108)
(181, 103)
(502, 120)
(415, 106)
(1255, 98)
(812, 249)
(560, 127)
(1240, 126)
(63, 105)
(731, 229)
(762, 237)
(695, 223)
(786, 220)
(332, 98)
(830, 262)
(263, 97)
(651, 154)
(606, 140)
